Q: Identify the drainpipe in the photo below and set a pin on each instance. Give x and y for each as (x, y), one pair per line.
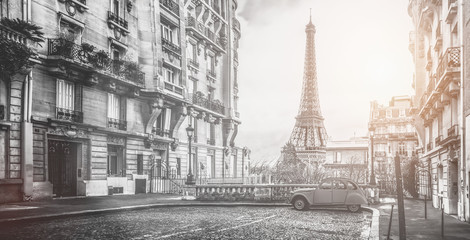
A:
(462, 118)
(27, 139)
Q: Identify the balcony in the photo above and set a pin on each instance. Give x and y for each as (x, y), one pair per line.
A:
(193, 63)
(449, 63)
(115, 21)
(160, 132)
(117, 123)
(211, 142)
(9, 34)
(68, 115)
(171, 6)
(86, 58)
(173, 48)
(203, 33)
(214, 105)
(173, 88)
(79, 4)
(211, 75)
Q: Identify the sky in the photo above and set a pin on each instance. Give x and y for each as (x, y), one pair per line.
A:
(362, 55)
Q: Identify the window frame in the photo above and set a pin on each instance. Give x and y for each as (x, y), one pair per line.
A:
(63, 101)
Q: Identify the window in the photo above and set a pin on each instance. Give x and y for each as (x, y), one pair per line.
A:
(401, 148)
(3, 100)
(169, 75)
(210, 63)
(115, 7)
(210, 93)
(170, 33)
(178, 167)
(116, 165)
(140, 164)
(4, 9)
(210, 133)
(389, 113)
(113, 106)
(161, 126)
(65, 95)
(70, 31)
(191, 52)
(402, 113)
(192, 85)
(117, 111)
(3, 154)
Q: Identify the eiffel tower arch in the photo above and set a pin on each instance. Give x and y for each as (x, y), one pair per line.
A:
(309, 135)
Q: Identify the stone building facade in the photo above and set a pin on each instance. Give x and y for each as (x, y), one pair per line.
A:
(348, 159)
(437, 45)
(116, 85)
(391, 131)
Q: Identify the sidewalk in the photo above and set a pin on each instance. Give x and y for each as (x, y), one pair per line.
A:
(416, 226)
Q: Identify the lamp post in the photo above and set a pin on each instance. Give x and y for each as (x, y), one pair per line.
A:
(190, 177)
(372, 172)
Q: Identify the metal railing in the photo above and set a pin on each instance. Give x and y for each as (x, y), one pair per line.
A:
(451, 59)
(68, 115)
(160, 132)
(236, 24)
(173, 88)
(437, 140)
(171, 46)
(117, 123)
(453, 131)
(211, 142)
(79, 53)
(199, 99)
(118, 20)
(171, 5)
(212, 74)
(429, 146)
(193, 63)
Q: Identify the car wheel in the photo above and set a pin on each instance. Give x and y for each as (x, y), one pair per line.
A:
(300, 204)
(354, 208)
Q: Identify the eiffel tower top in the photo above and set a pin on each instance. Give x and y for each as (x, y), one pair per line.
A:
(309, 134)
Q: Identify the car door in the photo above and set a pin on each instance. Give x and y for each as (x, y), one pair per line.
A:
(340, 192)
(324, 194)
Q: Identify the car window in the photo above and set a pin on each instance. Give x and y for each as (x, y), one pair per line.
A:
(352, 186)
(340, 185)
(326, 184)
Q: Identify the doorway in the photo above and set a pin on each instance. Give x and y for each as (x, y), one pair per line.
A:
(62, 163)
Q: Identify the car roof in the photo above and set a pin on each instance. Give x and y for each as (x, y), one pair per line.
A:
(339, 178)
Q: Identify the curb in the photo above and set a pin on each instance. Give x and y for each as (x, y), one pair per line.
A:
(137, 207)
(374, 225)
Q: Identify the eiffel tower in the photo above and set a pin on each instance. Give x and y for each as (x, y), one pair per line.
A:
(309, 135)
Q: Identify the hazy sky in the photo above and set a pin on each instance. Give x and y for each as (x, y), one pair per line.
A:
(362, 55)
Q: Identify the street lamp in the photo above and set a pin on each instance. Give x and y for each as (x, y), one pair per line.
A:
(372, 173)
(190, 177)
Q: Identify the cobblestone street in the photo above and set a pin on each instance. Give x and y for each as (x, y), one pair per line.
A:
(200, 223)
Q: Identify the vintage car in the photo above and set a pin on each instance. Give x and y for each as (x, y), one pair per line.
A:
(330, 192)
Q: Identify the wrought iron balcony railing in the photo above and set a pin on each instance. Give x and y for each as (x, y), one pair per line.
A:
(69, 115)
(171, 46)
(380, 154)
(209, 34)
(171, 5)
(117, 123)
(78, 53)
(204, 33)
(2, 112)
(214, 105)
(193, 63)
(118, 20)
(160, 132)
(448, 62)
(212, 74)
